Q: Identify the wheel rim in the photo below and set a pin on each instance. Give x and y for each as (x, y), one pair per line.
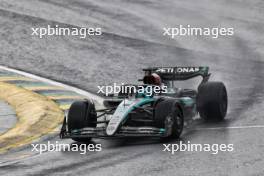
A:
(169, 122)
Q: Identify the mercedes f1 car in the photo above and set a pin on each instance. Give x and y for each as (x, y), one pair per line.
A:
(154, 115)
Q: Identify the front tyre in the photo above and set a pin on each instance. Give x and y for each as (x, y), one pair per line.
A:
(212, 101)
(81, 114)
(168, 115)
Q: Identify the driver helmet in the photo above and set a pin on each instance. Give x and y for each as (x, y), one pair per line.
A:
(153, 79)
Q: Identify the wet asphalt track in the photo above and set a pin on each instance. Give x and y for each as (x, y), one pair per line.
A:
(132, 40)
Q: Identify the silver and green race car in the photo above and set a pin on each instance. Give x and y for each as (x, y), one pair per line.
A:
(140, 114)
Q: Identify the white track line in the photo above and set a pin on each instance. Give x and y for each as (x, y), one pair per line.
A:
(231, 127)
(55, 83)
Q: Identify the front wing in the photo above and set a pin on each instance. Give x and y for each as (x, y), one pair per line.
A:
(100, 132)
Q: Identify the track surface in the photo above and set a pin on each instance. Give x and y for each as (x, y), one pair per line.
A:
(132, 40)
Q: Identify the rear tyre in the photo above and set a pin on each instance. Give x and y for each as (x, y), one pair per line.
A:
(169, 115)
(81, 114)
(212, 101)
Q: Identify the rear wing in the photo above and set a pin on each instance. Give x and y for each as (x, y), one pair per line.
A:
(179, 73)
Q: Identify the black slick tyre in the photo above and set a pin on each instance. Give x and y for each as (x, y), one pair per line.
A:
(168, 113)
(81, 114)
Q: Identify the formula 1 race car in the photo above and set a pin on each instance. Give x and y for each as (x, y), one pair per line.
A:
(139, 114)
